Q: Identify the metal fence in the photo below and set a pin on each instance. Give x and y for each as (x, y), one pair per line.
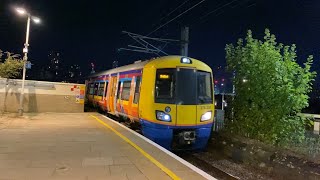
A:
(218, 120)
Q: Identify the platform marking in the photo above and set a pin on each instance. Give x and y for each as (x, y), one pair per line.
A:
(184, 162)
(153, 160)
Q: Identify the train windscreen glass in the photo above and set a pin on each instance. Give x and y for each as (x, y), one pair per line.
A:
(186, 93)
(204, 86)
(183, 86)
(165, 86)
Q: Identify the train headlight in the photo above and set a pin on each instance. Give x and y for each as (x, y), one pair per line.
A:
(186, 60)
(206, 116)
(162, 116)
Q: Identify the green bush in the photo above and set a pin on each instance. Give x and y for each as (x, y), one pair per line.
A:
(10, 66)
(271, 88)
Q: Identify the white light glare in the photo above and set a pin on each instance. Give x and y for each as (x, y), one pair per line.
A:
(36, 20)
(21, 11)
(166, 117)
(206, 116)
(186, 60)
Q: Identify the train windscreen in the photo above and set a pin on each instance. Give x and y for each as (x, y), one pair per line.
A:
(165, 86)
(183, 86)
(186, 86)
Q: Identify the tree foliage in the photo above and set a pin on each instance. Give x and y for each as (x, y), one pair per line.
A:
(10, 65)
(271, 88)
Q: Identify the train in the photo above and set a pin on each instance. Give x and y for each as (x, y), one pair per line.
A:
(171, 98)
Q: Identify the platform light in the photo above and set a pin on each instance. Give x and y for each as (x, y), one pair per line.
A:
(36, 20)
(21, 11)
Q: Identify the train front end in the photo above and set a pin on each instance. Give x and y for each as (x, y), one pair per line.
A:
(178, 107)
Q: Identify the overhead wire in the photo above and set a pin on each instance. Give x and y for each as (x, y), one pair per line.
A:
(175, 9)
(176, 17)
(202, 18)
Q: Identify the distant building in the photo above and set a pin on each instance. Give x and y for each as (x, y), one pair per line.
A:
(55, 68)
(74, 71)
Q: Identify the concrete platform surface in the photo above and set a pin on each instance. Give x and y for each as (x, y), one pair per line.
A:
(82, 146)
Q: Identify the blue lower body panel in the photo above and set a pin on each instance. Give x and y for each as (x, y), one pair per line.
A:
(164, 134)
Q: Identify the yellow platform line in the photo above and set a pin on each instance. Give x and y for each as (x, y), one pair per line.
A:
(152, 159)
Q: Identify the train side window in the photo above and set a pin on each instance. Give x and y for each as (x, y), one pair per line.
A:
(125, 94)
(119, 88)
(105, 92)
(91, 88)
(95, 91)
(101, 89)
(137, 90)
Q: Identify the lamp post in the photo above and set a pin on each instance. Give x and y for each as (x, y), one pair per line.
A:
(21, 11)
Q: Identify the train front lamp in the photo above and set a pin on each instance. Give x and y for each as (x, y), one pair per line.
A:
(162, 116)
(206, 116)
(186, 60)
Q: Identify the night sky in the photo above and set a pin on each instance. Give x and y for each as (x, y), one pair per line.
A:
(90, 31)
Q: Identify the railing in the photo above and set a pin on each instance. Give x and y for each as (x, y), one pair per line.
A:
(316, 120)
(218, 120)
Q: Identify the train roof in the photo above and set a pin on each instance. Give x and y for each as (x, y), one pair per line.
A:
(134, 66)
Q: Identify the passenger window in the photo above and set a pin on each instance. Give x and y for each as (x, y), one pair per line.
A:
(91, 88)
(101, 89)
(125, 94)
(137, 90)
(95, 91)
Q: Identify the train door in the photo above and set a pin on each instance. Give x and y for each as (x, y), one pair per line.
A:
(186, 96)
(112, 95)
(105, 97)
(135, 99)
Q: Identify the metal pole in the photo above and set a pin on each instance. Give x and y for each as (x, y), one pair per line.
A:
(222, 103)
(25, 58)
(234, 93)
(184, 41)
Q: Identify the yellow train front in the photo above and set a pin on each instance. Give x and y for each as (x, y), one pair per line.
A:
(170, 97)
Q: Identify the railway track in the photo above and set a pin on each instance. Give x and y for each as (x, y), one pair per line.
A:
(205, 166)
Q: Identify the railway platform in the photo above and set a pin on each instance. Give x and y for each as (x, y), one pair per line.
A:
(83, 146)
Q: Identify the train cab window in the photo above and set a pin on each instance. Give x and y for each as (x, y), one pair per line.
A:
(165, 86)
(95, 90)
(101, 89)
(137, 90)
(204, 86)
(125, 94)
(91, 88)
(186, 92)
